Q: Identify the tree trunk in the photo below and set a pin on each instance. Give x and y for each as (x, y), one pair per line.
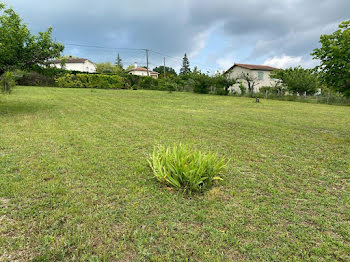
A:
(251, 88)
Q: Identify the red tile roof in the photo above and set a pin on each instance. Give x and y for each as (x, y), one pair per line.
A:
(142, 69)
(254, 67)
(257, 67)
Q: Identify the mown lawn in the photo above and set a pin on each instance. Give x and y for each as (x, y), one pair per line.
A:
(75, 185)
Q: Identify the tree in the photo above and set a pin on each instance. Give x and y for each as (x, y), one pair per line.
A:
(201, 83)
(130, 67)
(251, 81)
(185, 69)
(334, 55)
(222, 84)
(7, 82)
(118, 62)
(106, 68)
(196, 71)
(109, 68)
(21, 50)
(297, 80)
(169, 71)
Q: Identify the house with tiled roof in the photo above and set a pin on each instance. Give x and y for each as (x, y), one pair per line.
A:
(74, 64)
(141, 71)
(259, 73)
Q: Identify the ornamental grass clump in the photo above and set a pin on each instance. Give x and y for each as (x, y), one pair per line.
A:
(184, 168)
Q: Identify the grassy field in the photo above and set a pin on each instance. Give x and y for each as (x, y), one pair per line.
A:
(75, 185)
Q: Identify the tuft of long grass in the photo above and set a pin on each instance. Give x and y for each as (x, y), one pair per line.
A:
(184, 168)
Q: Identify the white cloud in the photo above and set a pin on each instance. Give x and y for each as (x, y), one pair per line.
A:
(286, 61)
(283, 61)
(208, 31)
(225, 62)
(200, 41)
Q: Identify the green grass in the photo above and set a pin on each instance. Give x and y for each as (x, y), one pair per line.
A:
(75, 184)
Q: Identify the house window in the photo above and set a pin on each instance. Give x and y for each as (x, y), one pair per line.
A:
(260, 75)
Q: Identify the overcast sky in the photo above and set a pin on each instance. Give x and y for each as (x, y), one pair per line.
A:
(214, 33)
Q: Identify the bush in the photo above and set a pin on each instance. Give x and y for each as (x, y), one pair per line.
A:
(131, 80)
(90, 81)
(222, 85)
(202, 83)
(147, 82)
(183, 168)
(242, 88)
(36, 79)
(165, 84)
(266, 89)
(298, 80)
(7, 82)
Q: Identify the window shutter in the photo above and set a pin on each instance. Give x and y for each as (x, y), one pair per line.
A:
(260, 75)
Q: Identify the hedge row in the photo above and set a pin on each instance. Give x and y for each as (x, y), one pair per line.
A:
(193, 82)
(35, 79)
(90, 81)
(106, 81)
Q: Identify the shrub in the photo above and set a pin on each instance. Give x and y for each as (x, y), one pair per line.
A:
(147, 82)
(90, 81)
(165, 84)
(242, 88)
(202, 83)
(131, 80)
(183, 168)
(266, 89)
(36, 79)
(222, 84)
(7, 82)
(187, 85)
(67, 81)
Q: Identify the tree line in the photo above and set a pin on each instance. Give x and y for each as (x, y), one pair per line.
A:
(117, 67)
(21, 50)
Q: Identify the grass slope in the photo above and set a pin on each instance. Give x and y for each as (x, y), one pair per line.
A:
(75, 185)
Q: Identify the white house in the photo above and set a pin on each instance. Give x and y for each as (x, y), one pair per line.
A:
(75, 64)
(260, 74)
(140, 71)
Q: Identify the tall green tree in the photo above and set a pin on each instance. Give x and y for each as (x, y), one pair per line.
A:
(21, 50)
(169, 71)
(334, 55)
(185, 69)
(118, 62)
(297, 80)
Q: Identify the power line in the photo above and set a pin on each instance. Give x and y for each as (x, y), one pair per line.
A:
(103, 47)
(138, 49)
(178, 59)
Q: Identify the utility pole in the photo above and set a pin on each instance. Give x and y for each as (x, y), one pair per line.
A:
(164, 68)
(147, 61)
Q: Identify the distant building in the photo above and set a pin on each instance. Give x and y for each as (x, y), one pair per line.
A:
(75, 64)
(260, 73)
(141, 71)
